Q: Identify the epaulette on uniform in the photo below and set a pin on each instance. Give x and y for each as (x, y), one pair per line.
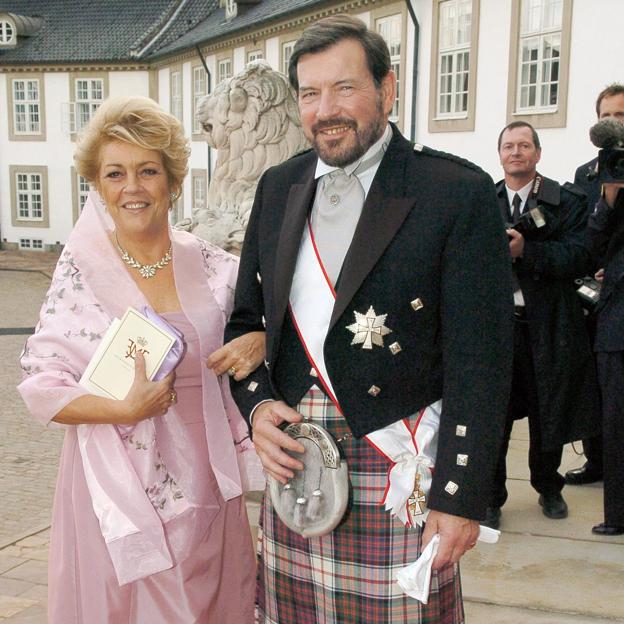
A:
(423, 149)
(575, 189)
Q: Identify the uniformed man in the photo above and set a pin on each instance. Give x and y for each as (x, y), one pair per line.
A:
(382, 272)
(553, 380)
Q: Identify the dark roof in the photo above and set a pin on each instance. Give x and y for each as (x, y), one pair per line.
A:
(249, 16)
(107, 30)
(78, 31)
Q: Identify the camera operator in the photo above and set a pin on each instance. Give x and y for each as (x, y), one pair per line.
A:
(554, 381)
(606, 233)
(609, 105)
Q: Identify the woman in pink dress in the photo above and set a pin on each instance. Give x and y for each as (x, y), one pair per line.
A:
(149, 523)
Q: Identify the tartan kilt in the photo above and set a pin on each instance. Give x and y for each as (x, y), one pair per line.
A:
(347, 577)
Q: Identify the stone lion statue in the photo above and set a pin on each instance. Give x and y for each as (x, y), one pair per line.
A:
(253, 122)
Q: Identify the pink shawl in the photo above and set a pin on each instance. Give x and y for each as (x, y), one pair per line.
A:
(89, 288)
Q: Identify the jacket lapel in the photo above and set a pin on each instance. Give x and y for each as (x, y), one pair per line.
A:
(503, 202)
(383, 213)
(296, 212)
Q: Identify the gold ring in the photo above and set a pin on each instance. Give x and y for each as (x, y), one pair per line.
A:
(232, 371)
(173, 397)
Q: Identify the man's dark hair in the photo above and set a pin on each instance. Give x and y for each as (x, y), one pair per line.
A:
(614, 88)
(519, 124)
(329, 31)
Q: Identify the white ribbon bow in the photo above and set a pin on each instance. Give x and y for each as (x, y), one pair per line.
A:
(412, 453)
(401, 479)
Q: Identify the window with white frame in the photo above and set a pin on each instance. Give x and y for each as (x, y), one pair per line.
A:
(89, 94)
(176, 94)
(539, 55)
(26, 106)
(454, 36)
(200, 89)
(199, 191)
(6, 32)
(82, 186)
(390, 28)
(224, 69)
(29, 196)
(287, 49)
(254, 55)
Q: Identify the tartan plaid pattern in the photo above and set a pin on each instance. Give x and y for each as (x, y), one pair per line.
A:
(347, 576)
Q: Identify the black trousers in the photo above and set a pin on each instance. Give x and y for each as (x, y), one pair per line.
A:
(611, 379)
(543, 464)
(592, 447)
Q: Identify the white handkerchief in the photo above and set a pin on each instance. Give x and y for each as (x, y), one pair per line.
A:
(415, 578)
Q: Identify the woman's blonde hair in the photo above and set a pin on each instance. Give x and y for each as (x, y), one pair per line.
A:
(141, 122)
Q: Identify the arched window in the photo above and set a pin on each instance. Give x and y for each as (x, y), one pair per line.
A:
(7, 32)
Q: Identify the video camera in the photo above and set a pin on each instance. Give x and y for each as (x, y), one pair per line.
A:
(608, 135)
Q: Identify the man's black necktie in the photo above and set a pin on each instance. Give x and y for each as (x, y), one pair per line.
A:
(516, 202)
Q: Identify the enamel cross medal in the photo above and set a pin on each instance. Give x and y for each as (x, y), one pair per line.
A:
(416, 502)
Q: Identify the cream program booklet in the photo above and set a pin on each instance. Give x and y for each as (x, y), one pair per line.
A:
(110, 372)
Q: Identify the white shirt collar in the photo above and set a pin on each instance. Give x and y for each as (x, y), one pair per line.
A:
(323, 168)
(523, 192)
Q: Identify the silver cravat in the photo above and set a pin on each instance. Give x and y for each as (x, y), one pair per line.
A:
(336, 212)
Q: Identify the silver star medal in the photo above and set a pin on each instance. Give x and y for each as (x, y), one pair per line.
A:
(369, 329)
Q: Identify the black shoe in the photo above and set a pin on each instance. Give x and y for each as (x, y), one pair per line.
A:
(553, 506)
(605, 529)
(492, 517)
(583, 475)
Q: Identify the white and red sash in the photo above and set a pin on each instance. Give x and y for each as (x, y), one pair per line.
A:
(411, 451)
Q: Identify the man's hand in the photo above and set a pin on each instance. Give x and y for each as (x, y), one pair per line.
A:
(457, 536)
(516, 243)
(269, 439)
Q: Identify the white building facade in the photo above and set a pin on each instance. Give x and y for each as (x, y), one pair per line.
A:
(465, 69)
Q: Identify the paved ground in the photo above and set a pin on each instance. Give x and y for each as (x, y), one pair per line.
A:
(541, 572)
(28, 452)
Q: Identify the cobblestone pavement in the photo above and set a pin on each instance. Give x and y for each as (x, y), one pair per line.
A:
(28, 451)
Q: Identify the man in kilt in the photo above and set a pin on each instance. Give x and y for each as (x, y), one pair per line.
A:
(380, 270)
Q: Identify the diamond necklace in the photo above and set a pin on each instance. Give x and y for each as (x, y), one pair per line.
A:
(146, 270)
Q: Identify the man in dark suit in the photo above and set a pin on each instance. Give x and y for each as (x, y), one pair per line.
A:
(609, 104)
(553, 374)
(413, 306)
(606, 231)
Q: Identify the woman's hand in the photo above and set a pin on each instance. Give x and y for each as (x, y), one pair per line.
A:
(144, 400)
(240, 356)
(147, 398)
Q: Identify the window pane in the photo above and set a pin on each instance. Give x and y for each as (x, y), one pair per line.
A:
(539, 53)
(455, 33)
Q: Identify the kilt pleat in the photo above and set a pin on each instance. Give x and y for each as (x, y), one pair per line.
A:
(347, 577)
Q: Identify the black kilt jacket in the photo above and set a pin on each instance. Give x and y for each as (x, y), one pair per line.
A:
(430, 252)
